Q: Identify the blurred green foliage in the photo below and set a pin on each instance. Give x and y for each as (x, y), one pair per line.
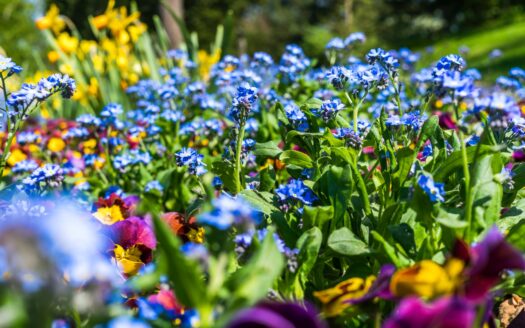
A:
(19, 36)
(271, 24)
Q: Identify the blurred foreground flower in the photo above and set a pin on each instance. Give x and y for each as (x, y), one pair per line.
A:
(277, 315)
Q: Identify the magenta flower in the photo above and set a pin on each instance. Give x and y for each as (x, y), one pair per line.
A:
(131, 232)
(447, 312)
(277, 315)
(488, 259)
(518, 156)
(446, 121)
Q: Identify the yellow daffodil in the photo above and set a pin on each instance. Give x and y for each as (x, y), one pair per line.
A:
(53, 56)
(206, 62)
(335, 300)
(66, 69)
(51, 20)
(93, 87)
(67, 43)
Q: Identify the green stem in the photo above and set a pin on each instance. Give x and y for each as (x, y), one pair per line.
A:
(238, 169)
(356, 110)
(466, 174)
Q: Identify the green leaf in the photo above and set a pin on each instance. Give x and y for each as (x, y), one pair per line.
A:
(266, 179)
(519, 176)
(268, 149)
(184, 274)
(298, 158)
(263, 202)
(431, 130)
(405, 158)
(515, 236)
(455, 161)
(344, 242)
(225, 170)
(450, 219)
(403, 234)
(260, 200)
(513, 216)
(336, 185)
(253, 281)
(313, 103)
(317, 216)
(309, 245)
(399, 260)
(487, 193)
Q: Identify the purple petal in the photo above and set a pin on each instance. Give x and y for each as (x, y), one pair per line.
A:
(133, 231)
(444, 313)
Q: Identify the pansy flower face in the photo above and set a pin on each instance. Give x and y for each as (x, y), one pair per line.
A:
(338, 298)
(113, 209)
(186, 229)
(427, 279)
(134, 242)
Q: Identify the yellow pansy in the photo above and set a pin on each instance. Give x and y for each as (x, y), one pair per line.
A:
(34, 148)
(56, 145)
(128, 259)
(426, 279)
(80, 178)
(196, 235)
(335, 300)
(16, 156)
(109, 215)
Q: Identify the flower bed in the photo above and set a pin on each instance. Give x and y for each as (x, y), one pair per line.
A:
(252, 192)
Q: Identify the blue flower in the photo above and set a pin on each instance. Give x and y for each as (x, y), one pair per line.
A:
(517, 73)
(338, 76)
(153, 185)
(295, 190)
(335, 44)
(88, 120)
(127, 322)
(434, 190)
(243, 103)
(383, 58)
(9, 66)
(27, 165)
(296, 116)
(192, 159)
(111, 111)
(354, 38)
(261, 59)
(217, 182)
(329, 109)
(351, 138)
(228, 211)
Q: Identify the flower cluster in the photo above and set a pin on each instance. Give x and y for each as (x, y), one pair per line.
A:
(226, 190)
